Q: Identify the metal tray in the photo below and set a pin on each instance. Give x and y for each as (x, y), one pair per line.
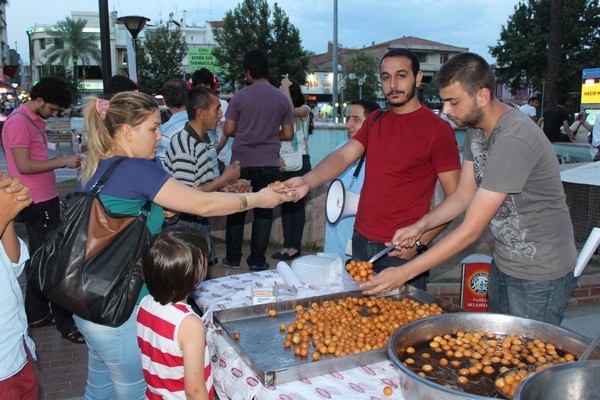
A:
(260, 343)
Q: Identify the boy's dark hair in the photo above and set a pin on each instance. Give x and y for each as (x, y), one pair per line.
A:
(414, 60)
(470, 71)
(118, 84)
(257, 64)
(561, 99)
(53, 90)
(175, 92)
(198, 98)
(532, 99)
(174, 263)
(368, 105)
(203, 76)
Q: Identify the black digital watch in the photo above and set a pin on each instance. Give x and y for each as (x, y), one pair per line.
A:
(421, 247)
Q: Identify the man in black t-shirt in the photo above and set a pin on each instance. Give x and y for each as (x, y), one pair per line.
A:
(554, 118)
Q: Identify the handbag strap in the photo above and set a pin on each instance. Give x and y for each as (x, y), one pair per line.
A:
(95, 190)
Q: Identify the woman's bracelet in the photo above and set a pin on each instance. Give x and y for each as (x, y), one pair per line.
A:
(243, 202)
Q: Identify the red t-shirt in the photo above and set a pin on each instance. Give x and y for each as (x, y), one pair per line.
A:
(405, 153)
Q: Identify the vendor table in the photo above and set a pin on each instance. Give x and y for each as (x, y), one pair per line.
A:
(582, 190)
(235, 380)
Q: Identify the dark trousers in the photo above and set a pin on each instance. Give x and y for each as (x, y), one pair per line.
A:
(363, 249)
(41, 219)
(259, 178)
(293, 216)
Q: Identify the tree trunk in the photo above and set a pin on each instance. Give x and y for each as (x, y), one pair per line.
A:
(554, 60)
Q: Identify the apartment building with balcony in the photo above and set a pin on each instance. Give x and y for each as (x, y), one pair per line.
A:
(199, 39)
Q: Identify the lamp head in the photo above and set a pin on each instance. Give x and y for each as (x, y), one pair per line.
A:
(134, 24)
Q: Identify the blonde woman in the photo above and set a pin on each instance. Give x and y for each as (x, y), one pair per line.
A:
(128, 126)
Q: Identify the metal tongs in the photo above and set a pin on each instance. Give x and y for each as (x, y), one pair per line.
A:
(382, 253)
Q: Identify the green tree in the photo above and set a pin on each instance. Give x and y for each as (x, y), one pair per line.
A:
(527, 51)
(159, 58)
(72, 43)
(362, 67)
(250, 26)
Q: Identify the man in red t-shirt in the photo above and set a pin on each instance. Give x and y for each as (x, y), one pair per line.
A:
(409, 148)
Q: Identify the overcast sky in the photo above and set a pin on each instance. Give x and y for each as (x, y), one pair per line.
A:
(474, 24)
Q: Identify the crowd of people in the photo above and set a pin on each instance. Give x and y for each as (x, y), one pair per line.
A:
(394, 158)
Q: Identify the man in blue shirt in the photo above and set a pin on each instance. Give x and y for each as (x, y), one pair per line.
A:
(175, 92)
(338, 236)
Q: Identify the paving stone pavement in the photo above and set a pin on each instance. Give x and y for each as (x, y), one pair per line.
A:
(61, 365)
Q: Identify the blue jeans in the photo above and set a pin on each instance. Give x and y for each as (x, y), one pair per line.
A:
(293, 216)
(259, 177)
(199, 223)
(363, 249)
(540, 300)
(114, 361)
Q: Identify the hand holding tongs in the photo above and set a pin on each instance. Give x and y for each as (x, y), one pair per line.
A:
(382, 253)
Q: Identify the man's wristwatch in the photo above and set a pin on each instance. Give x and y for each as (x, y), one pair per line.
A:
(421, 247)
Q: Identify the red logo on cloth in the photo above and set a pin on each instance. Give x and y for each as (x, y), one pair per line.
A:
(323, 393)
(356, 387)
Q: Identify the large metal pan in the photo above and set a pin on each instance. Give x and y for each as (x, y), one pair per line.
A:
(415, 387)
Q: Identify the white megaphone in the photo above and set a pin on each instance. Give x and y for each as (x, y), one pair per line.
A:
(340, 202)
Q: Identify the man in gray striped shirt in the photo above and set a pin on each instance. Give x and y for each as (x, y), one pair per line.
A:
(192, 158)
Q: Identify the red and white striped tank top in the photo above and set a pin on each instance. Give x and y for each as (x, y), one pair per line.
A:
(162, 360)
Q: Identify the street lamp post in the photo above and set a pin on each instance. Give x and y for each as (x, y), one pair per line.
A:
(361, 80)
(134, 24)
(15, 85)
(334, 94)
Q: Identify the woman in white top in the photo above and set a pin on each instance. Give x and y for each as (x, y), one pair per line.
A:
(292, 214)
(581, 128)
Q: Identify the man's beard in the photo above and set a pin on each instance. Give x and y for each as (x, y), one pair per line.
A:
(409, 97)
(473, 118)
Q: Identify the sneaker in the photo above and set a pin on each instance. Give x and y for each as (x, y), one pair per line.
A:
(230, 264)
(256, 268)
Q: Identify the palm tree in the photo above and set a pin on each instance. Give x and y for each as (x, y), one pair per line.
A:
(72, 43)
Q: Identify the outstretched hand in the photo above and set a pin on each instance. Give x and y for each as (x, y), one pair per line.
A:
(300, 185)
(275, 194)
(384, 281)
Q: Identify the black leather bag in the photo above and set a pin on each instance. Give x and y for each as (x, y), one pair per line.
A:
(91, 264)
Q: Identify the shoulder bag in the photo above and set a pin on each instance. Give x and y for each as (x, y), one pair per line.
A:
(91, 264)
(291, 152)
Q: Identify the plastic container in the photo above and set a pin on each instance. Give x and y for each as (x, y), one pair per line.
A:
(318, 269)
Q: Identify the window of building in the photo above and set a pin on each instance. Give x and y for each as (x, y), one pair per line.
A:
(43, 44)
(444, 57)
(422, 57)
(59, 43)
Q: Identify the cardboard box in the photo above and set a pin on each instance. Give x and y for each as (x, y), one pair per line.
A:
(262, 295)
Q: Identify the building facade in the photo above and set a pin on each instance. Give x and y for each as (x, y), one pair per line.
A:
(199, 39)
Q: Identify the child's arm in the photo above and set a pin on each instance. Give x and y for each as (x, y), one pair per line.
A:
(13, 198)
(192, 340)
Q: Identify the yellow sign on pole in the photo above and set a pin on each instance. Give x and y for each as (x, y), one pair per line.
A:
(590, 86)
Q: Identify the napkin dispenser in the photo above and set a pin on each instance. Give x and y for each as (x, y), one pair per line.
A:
(318, 269)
